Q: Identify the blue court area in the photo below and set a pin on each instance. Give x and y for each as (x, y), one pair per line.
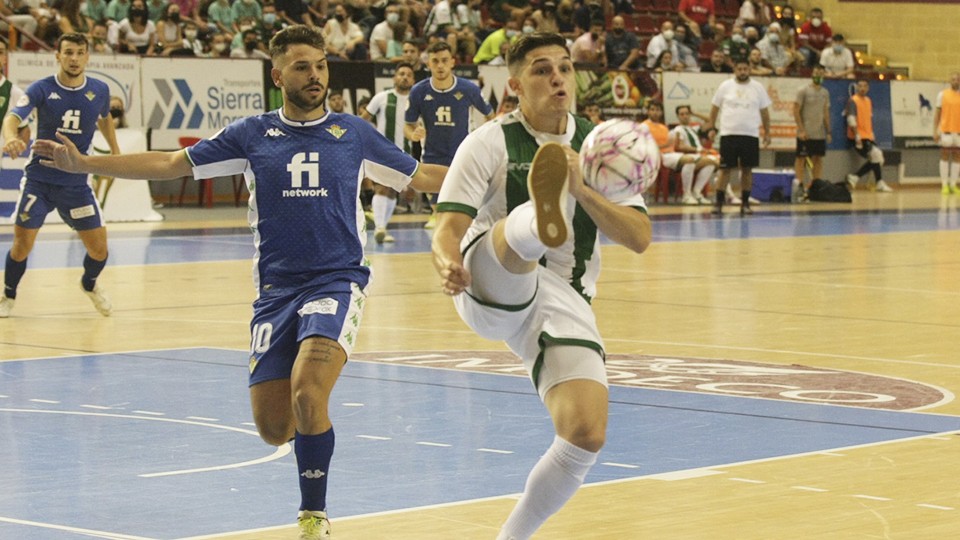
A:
(58, 250)
(159, 444)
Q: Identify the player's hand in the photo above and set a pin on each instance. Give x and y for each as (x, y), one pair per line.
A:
(936, 137)
(63, 155)
(575, 183)
(14, 147)
(766, 140)
(858, 144)
(802, 135)
(829, 138)
(454, 278)
(419, 134)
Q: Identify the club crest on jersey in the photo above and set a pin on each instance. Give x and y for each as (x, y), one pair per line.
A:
(458, 95)
(90, 95)
(336, 131)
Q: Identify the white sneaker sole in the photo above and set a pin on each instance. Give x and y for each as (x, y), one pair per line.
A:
(547, 185)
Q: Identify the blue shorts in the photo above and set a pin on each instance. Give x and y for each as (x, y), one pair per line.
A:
(77, 205)
(281, 322)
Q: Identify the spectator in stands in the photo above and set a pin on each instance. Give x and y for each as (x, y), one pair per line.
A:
(755, 13)
(565, 20)
(441, 23)
(758, 66)
(246, 8)
(699, 16)
(250, 46)
(837, 59)
(360, 13)
(685, 55)
(508, 105)
(383, 32)
(590, 48)
(95, 10)
(269, 24)
(719, 34)
(335, 102)
(546, 18)
(661, 42)
(137, 33)
(169, 33)
(189, 11)
(690, 158)
(490, 48)
(98, 39)
(716, 64)
(787, 19)
(71, 19)
(219, 46)
(623, 48)
(192, 41)
(220, 18)
(587, 12)
(471, 18)
(505, 10)
(155, 9)
(19, 15)
(773, 52)
(411, 55)
(117, 10)
(592, 111)
(735, 48)
(859, 116)
(666, 62)
(294, 12)
(814, 36)
(344, 38)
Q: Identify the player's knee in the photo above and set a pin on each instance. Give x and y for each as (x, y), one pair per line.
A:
(276, 434)
(590, 436)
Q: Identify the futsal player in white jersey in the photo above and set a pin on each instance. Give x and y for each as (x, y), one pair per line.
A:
(303, 167)
(522, 262)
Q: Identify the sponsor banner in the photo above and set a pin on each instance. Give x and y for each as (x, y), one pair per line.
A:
(197, 97)
(120, 72)
(914, 106)
(495, 86)
(698, 89)
(619, 94)
(733, 378)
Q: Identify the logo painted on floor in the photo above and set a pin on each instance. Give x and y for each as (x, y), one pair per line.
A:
(797, 383)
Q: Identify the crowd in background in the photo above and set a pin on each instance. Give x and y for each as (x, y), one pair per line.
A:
(624, 34)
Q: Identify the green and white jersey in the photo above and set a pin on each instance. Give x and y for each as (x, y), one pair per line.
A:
(488, 179)
(388, 107)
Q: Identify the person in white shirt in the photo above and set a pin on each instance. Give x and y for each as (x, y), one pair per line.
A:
(744, 104)
(690, 157)
(383, 32)
(837, 59)
(662, 42)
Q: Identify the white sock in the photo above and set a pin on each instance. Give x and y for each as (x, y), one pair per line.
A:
(520, 232)
(944, 171)
(686, 178)
(383, 207)
(703, 177)
(553, 480)
(954, 173)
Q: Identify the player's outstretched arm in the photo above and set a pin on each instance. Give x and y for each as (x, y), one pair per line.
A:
(447, 259)
(64, 155)
(428, 178)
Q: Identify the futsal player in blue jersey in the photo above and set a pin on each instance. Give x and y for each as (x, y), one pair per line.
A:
(443, 101)
(74, 105)
(303, 167)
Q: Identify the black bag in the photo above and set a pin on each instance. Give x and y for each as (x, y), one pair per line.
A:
(823, 191)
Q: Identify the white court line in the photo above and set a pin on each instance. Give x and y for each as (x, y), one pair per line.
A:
(50, 401)
(374, 437)
(203, 419)
(98, 407)
(808, 488)
(427, 443)
(277, 454)
(747, 480)
(494, 451)
(150, 413)
(872, 498)
(620, 465)
(934, 506)
(77, 530)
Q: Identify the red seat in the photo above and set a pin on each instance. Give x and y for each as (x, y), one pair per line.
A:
(205, 193)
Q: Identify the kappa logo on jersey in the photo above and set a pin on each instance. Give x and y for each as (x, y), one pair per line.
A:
(336, 131)
(428, 97)
(305, 164)
(313, 474)
(54, 95)
(274, 132)
(324, 306)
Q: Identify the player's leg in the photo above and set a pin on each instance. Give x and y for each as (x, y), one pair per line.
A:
(688, 166)
(875, 161)
(33, 205)
(706, 167)
(728, 160)
(749, 158)
(95, 241)
(954, 162)
(578, 405)
(800, 163)
(945, 153)
(383, 204)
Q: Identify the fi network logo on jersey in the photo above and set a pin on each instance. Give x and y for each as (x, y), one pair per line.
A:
(177, 108)
(305, 164)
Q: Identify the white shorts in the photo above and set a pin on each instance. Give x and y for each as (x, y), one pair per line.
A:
(671, 160)
(950, 140)
(556, 315)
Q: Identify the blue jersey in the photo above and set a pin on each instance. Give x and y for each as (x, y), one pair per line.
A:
(71, 111)
(304, 181)
(446, 116)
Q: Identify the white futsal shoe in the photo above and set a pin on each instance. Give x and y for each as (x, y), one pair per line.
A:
(547, 185)
(6, 306)
(99, 299)
(883, 187)
(313, 525)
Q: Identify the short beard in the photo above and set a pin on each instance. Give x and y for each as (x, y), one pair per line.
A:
(295, 99)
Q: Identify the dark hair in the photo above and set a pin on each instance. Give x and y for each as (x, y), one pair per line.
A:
(528, 42)
(511, 99)
(679, 107)
(820, 66)
(838, 37)
(73, 37)
(298, 34)
(655, 103)
(439, 47)
(404, 65)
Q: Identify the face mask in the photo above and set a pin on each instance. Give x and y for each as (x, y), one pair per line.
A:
(817, 80)
(668, 35)
(618, 31)
(269, 18)
(511, 33)
(752, 40)
(191, 34)
(774, 38)
(392, 18)
(737, 38)
(250, 45)
(528, 29)
(116, 113)
(594, 35)
(816, 22)
(219, 47)
(175, 17)
(838, 49)
(135, 13)
(339, 17)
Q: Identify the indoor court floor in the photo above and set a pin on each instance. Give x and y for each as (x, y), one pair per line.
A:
(787, 375)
